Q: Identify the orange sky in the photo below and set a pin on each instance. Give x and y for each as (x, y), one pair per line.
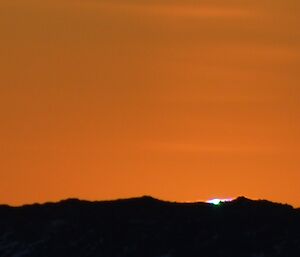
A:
(182, 100)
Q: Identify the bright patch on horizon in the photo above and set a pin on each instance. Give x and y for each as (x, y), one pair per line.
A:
(217, 201)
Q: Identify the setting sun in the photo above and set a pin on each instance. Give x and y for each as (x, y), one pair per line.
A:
(217, 201)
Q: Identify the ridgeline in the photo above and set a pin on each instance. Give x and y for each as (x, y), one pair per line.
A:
(148, 227)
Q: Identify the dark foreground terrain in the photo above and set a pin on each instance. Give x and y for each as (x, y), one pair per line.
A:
(147, 227)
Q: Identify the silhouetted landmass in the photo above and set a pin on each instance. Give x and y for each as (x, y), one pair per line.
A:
(147, 227)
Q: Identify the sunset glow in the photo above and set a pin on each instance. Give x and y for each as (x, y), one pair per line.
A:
(175, 99)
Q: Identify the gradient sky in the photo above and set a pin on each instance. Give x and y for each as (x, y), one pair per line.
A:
(182, 100)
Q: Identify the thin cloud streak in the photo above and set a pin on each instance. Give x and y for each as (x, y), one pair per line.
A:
(184, 11)
(198, 148)
(178, 10)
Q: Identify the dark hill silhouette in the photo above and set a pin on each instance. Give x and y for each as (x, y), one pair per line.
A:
(147, 227)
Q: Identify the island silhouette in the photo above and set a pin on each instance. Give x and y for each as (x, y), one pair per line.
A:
(148, 227)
